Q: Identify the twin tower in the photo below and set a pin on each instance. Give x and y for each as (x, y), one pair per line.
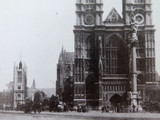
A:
(102, 57)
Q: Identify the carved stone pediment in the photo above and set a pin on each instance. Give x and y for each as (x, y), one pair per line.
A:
(113, 17)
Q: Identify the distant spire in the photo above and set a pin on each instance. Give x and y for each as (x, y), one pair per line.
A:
(62, 49)
(34, 84)
(20, 65)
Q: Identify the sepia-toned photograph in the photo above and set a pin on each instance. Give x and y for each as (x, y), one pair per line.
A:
(79, 60)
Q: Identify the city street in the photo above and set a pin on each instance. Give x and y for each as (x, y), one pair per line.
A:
(93, 115)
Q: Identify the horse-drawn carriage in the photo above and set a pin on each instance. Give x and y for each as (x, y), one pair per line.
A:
(30, 107)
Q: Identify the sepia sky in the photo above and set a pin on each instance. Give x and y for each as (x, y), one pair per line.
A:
(35, 30)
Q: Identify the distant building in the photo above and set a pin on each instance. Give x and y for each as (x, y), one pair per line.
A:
(45, 93)
(48, 91)
(19, 90)
(31, 91)
(19, 84)
(65, 75)
(6, 100)
(68, 93)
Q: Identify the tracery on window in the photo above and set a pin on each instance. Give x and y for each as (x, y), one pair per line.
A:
(114, 57)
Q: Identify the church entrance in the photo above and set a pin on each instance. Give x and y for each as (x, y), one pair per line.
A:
(116, 101)
(90, 92)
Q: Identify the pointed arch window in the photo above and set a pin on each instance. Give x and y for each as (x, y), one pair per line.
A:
(114, 59)
(19, 76)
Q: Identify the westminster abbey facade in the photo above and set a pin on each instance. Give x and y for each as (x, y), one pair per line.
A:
(102, 57)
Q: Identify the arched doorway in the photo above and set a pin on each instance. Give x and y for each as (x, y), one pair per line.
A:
(116, 101)
(90, 91)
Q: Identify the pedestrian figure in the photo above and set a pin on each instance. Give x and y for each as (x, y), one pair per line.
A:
(103, 109)
(134, 108)
(4, 106)
(78, 108)
(65, 107)
(107, 109)
(121, 108)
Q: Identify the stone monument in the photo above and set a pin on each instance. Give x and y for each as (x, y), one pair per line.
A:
(134, 96)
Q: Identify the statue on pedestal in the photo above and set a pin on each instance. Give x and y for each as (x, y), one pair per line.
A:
(133, 34)
(132, 42)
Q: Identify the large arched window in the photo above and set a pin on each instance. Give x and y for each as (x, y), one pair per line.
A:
(89, 45)
(114, 55)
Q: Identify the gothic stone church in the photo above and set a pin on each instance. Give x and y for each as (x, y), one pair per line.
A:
(102, 58)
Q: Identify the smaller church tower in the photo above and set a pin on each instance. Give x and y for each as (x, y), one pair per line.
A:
(20, 84)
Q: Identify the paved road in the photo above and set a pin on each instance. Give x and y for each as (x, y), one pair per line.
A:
(78, 116)
(19, 116)
(35, 117)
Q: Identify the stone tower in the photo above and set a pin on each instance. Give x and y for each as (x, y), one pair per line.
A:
(64, 72)
(89, 20)
(142, 10)
(20, 84)
(89, 12)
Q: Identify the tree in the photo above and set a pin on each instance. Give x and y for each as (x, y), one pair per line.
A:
(68, 91)
(53, 103)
